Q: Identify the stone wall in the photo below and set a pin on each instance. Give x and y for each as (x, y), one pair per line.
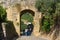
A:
(13, 13)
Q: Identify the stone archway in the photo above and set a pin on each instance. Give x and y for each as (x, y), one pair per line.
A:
(14, 13)
(26, 11)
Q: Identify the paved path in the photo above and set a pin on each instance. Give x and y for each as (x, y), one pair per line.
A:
(30, 38)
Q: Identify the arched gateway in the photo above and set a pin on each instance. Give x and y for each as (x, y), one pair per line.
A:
(26, 19)
(14, 14)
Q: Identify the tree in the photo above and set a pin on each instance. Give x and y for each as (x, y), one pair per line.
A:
(2, 14)
(46, 26)
(49, 9)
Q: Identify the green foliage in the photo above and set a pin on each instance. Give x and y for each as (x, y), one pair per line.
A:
(23, 26)
(46, 25)
(45, 5)
(27, 16)
(58, 9)
(2, 14)
(49, 8)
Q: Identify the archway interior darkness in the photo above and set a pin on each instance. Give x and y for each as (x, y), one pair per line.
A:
(25, 17)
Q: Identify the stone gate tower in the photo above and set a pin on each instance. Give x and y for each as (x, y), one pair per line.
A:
(14, 10)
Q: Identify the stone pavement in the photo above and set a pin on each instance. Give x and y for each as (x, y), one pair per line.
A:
(30, 38)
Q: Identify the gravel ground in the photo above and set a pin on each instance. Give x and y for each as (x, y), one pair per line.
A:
(30, 38)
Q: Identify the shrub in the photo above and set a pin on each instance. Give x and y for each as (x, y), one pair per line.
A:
(27, 16)
(2, 14)
(48, 8)
(46, 25)
(23, 26)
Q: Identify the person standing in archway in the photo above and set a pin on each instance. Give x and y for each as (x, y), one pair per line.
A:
(30, 28)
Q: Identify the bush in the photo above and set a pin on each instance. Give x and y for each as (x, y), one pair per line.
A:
(46, 25)
(23, 26)
(2, 14)
(48, 8)
(27, 16)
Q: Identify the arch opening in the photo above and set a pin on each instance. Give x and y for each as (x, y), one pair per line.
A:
(26, 21)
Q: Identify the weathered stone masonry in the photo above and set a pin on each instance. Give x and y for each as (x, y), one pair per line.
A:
(14, 12)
